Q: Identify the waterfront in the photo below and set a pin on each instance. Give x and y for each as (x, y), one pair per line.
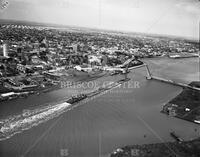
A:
(121, 117)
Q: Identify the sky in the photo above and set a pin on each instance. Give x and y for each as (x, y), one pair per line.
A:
(170, 17)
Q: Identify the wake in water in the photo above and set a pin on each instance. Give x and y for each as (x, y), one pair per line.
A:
(29, 118)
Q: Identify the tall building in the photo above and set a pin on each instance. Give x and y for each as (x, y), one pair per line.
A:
(5, 49)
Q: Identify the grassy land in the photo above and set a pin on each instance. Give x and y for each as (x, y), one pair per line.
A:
(186, 105)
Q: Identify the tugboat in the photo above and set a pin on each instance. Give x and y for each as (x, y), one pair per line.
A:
(77, 98)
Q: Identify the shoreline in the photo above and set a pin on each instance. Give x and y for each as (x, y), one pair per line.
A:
(45, 90)
(18, 122)
(166, 149)
(185, 106)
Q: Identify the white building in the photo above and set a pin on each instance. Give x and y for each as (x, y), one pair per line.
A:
(93, 58)
(5, 50)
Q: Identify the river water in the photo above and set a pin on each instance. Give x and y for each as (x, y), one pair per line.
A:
(118, 118)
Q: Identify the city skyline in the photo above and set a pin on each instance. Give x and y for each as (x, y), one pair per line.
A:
(173, 17)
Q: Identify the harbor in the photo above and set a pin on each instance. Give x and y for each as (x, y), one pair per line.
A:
(120, 117)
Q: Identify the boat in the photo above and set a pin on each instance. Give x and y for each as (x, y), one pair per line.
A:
(77, 98)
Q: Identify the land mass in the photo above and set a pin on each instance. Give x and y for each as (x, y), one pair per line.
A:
(186, 105)
(170, 149)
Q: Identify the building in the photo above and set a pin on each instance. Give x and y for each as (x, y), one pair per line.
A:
(104, 60)
(93, 60)
(21, 68)
(75, 48)
(5, 49)
(20, 53)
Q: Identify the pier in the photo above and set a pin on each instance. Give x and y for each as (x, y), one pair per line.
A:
(174, 83)
(151, 77)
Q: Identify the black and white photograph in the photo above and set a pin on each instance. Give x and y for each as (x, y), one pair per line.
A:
(99, 78)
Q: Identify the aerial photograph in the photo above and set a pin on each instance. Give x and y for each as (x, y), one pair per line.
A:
(99, 78)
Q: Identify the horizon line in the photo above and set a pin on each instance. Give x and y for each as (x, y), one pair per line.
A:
(36, 23)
